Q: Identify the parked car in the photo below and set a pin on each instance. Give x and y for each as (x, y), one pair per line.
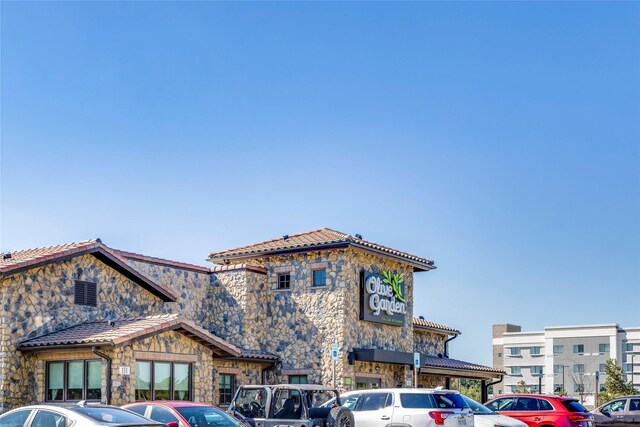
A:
(417, 407)
(290, 404)
(485, 417)
(179, 413)
(541, 410)
(625, 409)
(76, 415)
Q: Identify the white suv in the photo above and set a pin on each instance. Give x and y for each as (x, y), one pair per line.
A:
(407, 407)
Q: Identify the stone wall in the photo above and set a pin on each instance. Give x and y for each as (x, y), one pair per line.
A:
(302, 323)
(41, 300)
(429, 343)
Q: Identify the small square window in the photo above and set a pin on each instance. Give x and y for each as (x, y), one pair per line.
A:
(284, 281)
(603, 348)
(319, 277)
(578, 368)
(557, 349)
(515, 351)
(601, 367)
(85, 293)
(535, 350)
(578, 348)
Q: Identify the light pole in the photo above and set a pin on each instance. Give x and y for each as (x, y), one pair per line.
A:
(564, 390)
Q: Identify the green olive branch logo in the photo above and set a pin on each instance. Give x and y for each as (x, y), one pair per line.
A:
(395, 280)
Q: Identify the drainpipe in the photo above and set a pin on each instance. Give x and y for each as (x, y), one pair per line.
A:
(485, 389)
(95, 351)
(447, 380)
(446, 347)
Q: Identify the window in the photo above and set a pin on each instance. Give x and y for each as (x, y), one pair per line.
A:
(525, 404)
(557, 388)
(502, 404)
(534, 388)
(17, 419)
(543, 405)
(298, 379)
(557, 369)
(138, 409)
(499, 354)
(319, 277)
(516, 370)
(615, 406)
(162, 415)
(578, 368)
(601, 367)
(74, 380)
(226, 384)
(578, 388)
(603, 348)
(515, 351)
(48, 419)
(374, 401)
(85, 293)
(536, 370)
(627, 346)
(557, 349)
(284, 281)
(578, 348)
(627, 367)
(163, 381)
(535, 351)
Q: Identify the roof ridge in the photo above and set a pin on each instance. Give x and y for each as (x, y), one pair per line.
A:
(262, 242)
(159, 260)
(69, 245)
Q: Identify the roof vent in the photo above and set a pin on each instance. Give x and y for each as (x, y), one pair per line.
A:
(99, 240)
(285, 237)
(358, 236)
(6, 256)
(421, 317)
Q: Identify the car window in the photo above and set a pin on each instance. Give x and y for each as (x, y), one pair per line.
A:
(525, 404)
(634, 405)
(432, 400)
(162, 415)
(106, 414)
(543, 405)
(374, 401)
(48, 419)
(502, 404)
(250, 402)
(207, 416)
(15, 419)
(138, 409)
(615, 406)
(574, 406)
(349, 401)
(477, 408)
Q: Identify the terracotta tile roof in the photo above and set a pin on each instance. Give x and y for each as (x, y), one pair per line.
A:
(243, 266)
(259, 355)
(437, 362)
(162, 261)
(321, 238)
(425, 324)
(124, 331)
(17, 261)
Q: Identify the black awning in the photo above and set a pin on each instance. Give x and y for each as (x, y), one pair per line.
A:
(381, 356)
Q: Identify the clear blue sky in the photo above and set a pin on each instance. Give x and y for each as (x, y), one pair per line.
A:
(499, 139)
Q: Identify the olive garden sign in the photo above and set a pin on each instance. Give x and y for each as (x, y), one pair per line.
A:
(382, 298)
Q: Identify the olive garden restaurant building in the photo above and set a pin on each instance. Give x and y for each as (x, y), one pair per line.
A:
(84, 321)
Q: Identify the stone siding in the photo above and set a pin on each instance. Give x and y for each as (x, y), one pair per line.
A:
(41, 300)
(429, 343)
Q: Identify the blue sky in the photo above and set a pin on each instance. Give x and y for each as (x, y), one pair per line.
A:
(499, 139)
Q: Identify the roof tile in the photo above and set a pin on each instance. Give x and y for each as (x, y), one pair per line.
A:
(319, 238)
(421, 323)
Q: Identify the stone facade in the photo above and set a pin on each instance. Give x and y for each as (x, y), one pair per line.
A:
(41, 300)
(241, 304)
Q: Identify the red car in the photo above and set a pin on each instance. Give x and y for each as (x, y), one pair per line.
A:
(179, 413)
(541, 410)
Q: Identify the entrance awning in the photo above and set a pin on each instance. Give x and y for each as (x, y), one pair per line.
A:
(381, 356)
(457, 368)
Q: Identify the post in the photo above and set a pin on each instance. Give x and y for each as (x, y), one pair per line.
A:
(540, 383)
(416, 368)
(597, 388)
(334, 373)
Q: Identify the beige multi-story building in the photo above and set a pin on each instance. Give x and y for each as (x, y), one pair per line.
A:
(564, 359)
(84, 321)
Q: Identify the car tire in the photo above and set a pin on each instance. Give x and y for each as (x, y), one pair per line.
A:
(340, 416)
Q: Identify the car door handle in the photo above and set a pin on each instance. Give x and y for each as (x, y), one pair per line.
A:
(385, 417)
(537, 419)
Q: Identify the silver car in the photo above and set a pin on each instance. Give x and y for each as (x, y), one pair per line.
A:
(73, 415)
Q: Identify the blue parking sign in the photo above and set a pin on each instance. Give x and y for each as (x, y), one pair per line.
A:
(334, 351)
(416, 360)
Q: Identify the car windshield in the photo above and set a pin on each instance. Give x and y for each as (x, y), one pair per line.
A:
(477, 408)
(574, 406)
(432, 400)
(207, 416)
(110, 415)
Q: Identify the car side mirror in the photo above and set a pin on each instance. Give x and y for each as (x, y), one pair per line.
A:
(173, 424)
